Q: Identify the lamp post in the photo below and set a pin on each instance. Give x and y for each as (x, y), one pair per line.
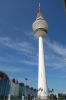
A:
(26, 88)
(26, 80)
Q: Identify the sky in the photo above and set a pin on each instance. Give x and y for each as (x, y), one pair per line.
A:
(19, 48)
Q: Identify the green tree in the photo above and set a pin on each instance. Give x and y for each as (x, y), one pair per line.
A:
(61, 96)
(53, 97)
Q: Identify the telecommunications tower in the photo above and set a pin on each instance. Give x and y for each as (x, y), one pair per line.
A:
(40, 28)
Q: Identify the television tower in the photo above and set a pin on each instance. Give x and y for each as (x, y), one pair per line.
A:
(40, 28)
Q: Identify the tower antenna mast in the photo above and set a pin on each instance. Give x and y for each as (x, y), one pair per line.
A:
(39, 6)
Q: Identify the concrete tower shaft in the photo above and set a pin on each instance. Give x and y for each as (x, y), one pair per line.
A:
(42, 83)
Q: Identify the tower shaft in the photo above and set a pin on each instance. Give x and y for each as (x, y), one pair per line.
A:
(42, 85)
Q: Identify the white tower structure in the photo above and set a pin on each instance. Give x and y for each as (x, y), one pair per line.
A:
(40, 28)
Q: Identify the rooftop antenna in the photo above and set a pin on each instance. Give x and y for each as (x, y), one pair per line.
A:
(39, 14)
(39, 6)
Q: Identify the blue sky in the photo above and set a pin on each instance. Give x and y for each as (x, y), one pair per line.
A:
(19, 48)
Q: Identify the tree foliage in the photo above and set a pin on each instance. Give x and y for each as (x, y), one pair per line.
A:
(60, 97)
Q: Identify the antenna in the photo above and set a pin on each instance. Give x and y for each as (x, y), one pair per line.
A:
(39, 6)
(39, 1)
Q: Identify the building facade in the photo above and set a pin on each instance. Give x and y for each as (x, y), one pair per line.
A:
(14, 89)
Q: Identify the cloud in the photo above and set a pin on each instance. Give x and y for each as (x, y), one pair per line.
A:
(14, 69)
(56, 51)
(31, 63)
(16, 60)
(30, 35)
(16, 28)
(55, 55)
(23, 46)
(56, 47)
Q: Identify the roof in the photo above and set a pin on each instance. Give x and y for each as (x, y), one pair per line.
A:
(3, 76)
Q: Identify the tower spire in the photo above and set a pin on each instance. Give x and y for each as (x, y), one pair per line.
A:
(39, 14)
(39, 6)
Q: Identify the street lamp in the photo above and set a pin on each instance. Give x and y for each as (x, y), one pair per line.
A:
(26, 79)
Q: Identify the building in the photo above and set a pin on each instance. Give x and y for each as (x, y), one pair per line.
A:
(11, 89)
(40, 28)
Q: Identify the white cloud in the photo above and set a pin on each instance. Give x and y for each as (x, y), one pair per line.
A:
(56, 47)
(14, 69)
(23, 46)
(30, 62)
(30, 35)
(55, 55)
(16, 60)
